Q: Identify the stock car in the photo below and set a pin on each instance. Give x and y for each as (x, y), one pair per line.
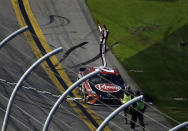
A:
(106, 87)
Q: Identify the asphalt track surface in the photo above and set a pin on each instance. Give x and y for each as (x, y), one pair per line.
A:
(67, 24)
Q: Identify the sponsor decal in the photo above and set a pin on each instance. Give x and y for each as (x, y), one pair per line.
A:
(108, 87)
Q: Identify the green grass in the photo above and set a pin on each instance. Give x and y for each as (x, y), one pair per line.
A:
(149, 33)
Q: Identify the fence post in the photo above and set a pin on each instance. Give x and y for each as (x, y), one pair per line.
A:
(23, 77)
(116, 112)
(63, 96)
(11, 36)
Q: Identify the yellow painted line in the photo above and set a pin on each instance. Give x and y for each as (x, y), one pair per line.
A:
(54, 60)
(46, 46)
(33, 45)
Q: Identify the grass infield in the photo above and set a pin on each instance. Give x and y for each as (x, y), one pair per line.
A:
(152, 37)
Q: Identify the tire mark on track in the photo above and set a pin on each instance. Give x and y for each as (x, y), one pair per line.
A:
(72, 49)
(62, 21)
(89, 61)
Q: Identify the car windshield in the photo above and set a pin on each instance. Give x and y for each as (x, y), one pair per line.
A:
(107, 78)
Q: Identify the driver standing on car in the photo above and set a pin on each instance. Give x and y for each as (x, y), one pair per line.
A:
(128, 95)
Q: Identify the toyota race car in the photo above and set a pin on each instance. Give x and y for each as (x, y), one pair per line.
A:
(106, 87)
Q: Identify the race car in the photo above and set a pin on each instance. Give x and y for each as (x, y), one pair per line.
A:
(106, 87)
